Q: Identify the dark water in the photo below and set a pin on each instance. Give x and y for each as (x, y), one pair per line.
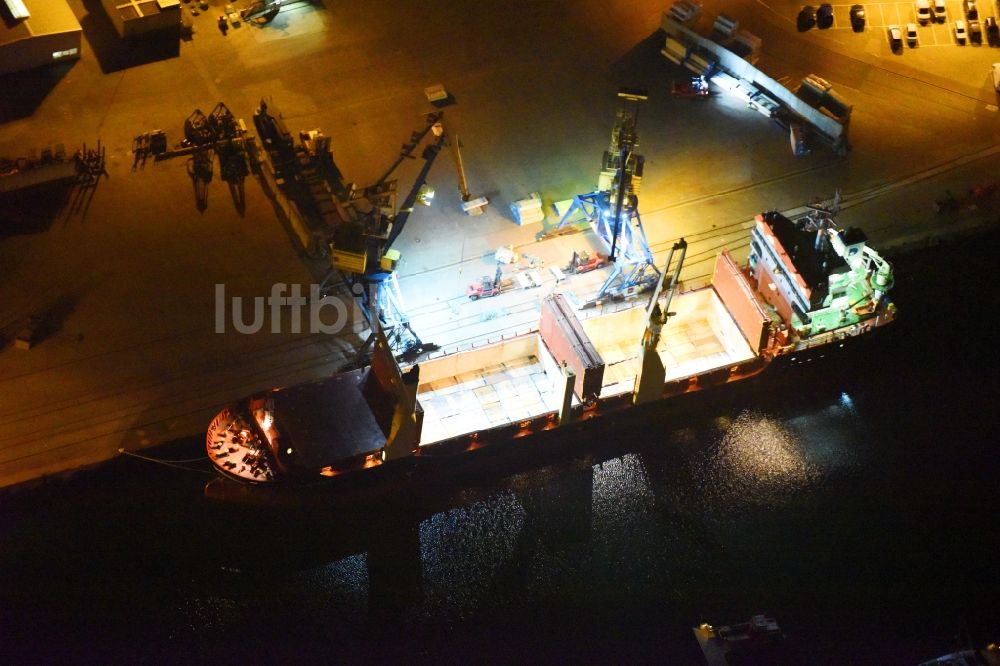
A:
(858, 505)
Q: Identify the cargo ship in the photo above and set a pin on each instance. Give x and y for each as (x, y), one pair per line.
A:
(805, 287)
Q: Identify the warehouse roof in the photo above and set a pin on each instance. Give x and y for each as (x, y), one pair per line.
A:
(45, 17)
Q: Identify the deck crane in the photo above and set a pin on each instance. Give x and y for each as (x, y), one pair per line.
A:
(612, 210)
(865, 263)
(652, 373)
(361, 254)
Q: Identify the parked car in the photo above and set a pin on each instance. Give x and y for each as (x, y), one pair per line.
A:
(858, 17)
(975, 32)
(992, 31)
(807, 18)
(824, 17)
(969, 6)
(911, 34)
(939, 11)
(960, 31)
(924, 11)
(895, 37)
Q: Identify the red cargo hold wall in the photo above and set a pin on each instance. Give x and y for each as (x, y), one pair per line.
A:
(739, 299)
(568, 343)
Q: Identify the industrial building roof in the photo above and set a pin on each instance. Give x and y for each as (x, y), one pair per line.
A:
(46, 17)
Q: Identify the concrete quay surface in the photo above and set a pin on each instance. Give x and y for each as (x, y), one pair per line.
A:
(126, 272)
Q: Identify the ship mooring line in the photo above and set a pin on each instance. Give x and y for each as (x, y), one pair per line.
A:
(168, 463)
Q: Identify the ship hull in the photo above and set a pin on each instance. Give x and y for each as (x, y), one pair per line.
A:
(601, 436)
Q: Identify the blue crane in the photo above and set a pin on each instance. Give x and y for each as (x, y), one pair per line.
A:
(361, 248)
(612, 210)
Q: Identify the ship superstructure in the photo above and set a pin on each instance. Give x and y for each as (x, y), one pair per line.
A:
(819, 281)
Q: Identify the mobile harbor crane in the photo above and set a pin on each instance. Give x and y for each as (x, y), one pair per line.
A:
(612, 210)
(361, 253)
(352, 228)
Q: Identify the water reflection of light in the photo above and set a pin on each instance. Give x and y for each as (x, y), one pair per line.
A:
(622, 512)
(759, 449)
(346, 573)
(764, 460)
(343, 585)
(722, 422)
(462, 549)
(621, 486)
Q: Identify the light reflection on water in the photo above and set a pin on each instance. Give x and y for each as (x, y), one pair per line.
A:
(344, 585)
(622, 492)
(461, 551)
(536, 535)
(762, 459)
(758, 451)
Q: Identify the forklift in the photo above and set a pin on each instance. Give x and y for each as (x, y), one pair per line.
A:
(584, 262)
(487, 286)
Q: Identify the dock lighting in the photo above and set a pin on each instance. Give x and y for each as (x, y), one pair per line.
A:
(288, 450)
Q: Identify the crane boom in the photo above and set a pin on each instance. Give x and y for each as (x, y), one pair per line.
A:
(375, 284)
(868, 262)
(429, 154)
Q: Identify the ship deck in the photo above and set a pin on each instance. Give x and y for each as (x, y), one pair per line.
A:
(518, 380)
(701, 336)
(233, 446)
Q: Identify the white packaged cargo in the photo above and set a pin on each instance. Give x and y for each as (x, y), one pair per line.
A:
(725, 25)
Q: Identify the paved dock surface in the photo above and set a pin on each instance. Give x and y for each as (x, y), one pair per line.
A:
(125, 272)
